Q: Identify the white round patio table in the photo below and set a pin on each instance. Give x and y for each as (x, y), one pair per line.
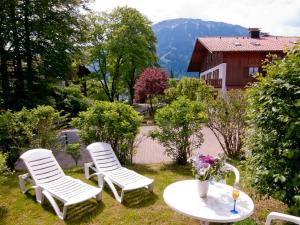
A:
(183, 197)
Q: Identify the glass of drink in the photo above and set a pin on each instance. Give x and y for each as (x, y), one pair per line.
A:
(235, 195)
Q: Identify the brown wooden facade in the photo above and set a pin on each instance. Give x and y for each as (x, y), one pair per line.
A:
(237, 69)
(230, 62)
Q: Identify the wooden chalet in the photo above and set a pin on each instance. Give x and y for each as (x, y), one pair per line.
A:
(230, 62)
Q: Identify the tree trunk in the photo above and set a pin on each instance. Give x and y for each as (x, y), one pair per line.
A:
(151, 112)
(4, 76)
(130, 84)
(16, 43)
(27, 45)
(131, 93)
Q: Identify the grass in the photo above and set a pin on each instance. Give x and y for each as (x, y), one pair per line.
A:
(139, 207)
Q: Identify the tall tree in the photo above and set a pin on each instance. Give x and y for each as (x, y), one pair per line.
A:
(99, 52)
(137, 41)
(4, 38)
(37, 41)
(123, 44)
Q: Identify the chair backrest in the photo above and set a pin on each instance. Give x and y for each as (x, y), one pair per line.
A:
(42, 166)
(235, 171)
(103, 157)
(281, 216)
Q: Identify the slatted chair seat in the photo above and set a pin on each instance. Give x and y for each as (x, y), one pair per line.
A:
(108, 169)
(48, 179)
(128, 179)
(70, 190)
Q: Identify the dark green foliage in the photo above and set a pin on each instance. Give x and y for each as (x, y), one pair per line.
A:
(274, 138)
(38, 39)
(4, 170)
(179, 128)
(74, 151)
(71, 100)
(114, 123)
(36, 128)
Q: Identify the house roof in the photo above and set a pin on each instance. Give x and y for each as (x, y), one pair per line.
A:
(225, 44)
(238, 44)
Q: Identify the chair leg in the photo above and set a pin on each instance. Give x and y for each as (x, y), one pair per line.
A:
(99, 197)
(150, 187)
(60, 214)
(87, 170)
(113, 189)
(39, 195)
(64, 213)
(22, 180)
(100, 181)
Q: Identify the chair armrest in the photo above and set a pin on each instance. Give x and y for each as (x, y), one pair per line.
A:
(281, 216)
(87, 167)
(22, 180)
(235, 171)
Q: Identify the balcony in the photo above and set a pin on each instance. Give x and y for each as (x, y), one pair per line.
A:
(216, 83)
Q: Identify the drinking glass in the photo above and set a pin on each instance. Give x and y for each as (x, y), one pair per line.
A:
(235, 195)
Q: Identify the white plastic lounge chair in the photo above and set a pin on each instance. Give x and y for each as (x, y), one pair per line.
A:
(108, 168)
(48, 179)
(281, 216)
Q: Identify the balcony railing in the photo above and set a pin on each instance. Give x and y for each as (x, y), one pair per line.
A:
(216, 83)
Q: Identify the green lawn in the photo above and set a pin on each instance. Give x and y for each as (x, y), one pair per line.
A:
(139, 207)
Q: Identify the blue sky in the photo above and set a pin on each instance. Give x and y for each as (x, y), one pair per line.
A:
(279, 17)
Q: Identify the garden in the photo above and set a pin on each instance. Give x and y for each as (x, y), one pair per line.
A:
(92, 71)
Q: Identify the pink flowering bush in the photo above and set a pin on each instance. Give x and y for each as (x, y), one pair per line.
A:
(152, 82)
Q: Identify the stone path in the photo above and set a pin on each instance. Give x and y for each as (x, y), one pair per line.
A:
(148, 151)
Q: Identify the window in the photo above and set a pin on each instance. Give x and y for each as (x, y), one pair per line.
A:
(216, 74)
(209, 76)
(253, 70)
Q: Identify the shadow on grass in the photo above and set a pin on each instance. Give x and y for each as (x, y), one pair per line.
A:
(84, 212)
(183, 170)
(76, 214)
(139, 198)
(143, 169)
(3, 213)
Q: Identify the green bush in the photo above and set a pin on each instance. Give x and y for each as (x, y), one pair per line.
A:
(4, 171)
(179, 128)
(95, 90)
(227, 120)
(192, 88)
(112, 122)
(275, 133)
(35, 128)
(71, 100)
(74, 151)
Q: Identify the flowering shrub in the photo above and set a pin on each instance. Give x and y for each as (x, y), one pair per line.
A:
(206, 167)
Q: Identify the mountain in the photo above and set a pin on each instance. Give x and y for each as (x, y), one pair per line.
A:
(176, 39)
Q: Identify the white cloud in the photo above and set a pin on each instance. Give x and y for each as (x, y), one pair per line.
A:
(279, 17)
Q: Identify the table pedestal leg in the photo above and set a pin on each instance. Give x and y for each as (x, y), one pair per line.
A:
(204, 223)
